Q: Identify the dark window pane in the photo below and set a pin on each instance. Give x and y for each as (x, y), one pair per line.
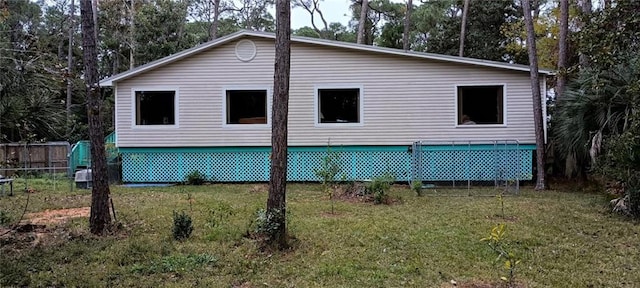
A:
(155, 107)
(339, 105)
(480, 105)
(246, 107)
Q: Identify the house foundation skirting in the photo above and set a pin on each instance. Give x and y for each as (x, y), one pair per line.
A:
(251, 164)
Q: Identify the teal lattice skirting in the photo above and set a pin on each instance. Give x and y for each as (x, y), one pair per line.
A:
(251, 164)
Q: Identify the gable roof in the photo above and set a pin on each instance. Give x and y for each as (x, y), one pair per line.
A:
(297, 39)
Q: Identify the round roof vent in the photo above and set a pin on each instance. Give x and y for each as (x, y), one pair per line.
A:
(245, 50)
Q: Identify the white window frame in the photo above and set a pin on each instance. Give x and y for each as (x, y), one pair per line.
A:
(476, 126)
(244, 88)
(316, 105)
(176, 108)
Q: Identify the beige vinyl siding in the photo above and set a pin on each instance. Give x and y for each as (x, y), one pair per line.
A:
(405, 99)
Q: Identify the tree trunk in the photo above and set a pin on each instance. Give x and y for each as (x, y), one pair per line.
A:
(94, 9)
(562, 48)
(132, 35)
(407, 26)
(70, 64)
(276, 204)
(364, 11)
(463, 27)
(541, 183)
(585, 8)
(100, 219)
(213, 33)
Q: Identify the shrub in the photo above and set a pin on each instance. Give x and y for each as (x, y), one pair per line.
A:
(5, 218)
(195, 178)
(496, 242)
(416, 185)
(219, 214)
(379, 188)
(182, 226)
(328, 173)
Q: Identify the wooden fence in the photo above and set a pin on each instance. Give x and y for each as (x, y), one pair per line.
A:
(50, 157)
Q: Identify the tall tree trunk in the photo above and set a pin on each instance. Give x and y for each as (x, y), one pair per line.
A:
(541, 183)
(100, 219)
(213, 33)
(132, 35)
(364, 11)
(94, 9)
(276, 204)
(70, 64)
(585, 9)
(463, 27)
(562, 48)
(407, 26)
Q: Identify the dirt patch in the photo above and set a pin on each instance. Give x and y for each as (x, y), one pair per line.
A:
(500, 218)
(259, 188)
(56, 217)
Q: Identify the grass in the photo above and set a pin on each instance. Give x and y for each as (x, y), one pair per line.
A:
(564, 238)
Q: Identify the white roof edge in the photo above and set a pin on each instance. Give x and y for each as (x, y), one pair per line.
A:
(447, 58)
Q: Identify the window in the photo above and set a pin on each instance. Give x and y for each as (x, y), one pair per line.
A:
(480, 105)
(339, 105)
(155, 107)
(246, 106)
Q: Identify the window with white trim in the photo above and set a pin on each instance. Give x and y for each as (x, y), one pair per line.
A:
(246, 106)
(155, 107)
(339, 105)
(480, 104)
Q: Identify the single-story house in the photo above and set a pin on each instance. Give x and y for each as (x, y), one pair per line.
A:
(382, 110)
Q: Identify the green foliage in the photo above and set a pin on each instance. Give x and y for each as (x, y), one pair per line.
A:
(484, 39)
(182, 226)
(598, 104)
(195, 178)
(416, 186)
(379, 188)
(497, 243)
(267, 224)
(611, 35)
(219, 213)
(5, 218)
(500, 198)
(329, 171)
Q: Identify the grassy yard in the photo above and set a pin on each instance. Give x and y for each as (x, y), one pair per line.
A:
(564, 239)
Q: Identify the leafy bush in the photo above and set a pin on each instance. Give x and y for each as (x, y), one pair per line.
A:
(416, 186)
(379, 188)
(5, 218)
(182, 226)
(267, 223)
(328, 173)
(219, 214)
(496, 242)
(195, 178)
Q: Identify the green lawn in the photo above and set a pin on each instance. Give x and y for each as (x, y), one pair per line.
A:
(564, 238)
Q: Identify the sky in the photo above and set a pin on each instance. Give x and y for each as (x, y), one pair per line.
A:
(333, 10)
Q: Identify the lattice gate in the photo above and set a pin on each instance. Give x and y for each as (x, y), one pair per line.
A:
(502, 163)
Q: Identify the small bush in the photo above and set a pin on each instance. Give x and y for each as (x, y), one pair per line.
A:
(5, 218)
(416, 186)
(219, 214)
(182, 226)
(379, 188)
(195, 178)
